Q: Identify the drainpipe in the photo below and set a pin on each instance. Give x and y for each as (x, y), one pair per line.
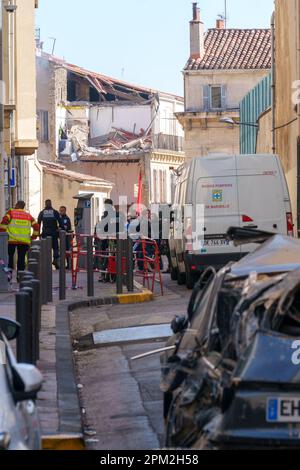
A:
(273, 85)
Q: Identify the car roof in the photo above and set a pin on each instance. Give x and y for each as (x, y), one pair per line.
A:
(279, 254)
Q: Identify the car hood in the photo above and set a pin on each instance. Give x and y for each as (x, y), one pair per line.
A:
(279, 254)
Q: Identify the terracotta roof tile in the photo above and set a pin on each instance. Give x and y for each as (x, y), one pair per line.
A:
(234, 49)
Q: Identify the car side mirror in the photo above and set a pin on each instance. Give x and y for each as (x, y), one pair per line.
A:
(9, 328)
(27, 381)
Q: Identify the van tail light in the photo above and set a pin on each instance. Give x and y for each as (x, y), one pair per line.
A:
(247, 219)
(290, 224)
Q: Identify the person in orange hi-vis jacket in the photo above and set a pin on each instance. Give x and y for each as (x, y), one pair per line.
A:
(21, 228)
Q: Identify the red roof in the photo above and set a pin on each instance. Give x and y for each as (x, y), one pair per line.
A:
(235, 49)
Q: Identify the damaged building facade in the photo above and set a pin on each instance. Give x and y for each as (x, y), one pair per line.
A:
(121, 133)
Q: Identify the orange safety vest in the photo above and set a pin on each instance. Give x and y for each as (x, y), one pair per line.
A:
(18, 225)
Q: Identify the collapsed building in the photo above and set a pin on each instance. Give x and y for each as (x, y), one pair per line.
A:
(122, 133)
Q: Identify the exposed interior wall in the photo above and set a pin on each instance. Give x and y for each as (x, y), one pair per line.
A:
(135, 119)
(166, 122)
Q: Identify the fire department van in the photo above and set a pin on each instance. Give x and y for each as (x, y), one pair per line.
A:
(236, 190)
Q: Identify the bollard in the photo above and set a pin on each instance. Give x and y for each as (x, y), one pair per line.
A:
(48, 269)
(24, 275)
(36, 317)
(23, 316)
(44, 289)
(90, 266)
(62, 266)
(119, 255)
(33, 268)
(129, 264)
(31, 338)
(35, 254)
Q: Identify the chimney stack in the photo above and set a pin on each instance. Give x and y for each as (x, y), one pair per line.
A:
(197, 34)
(220, 24)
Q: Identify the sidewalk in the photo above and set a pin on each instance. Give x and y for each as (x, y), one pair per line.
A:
(58, 400)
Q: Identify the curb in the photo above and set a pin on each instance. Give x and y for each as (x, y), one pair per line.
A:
(63, 442)
(70, 433)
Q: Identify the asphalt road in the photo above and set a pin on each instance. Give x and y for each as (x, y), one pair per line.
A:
(121, 400)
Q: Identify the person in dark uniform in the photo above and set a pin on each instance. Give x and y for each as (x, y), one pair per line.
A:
(51, 222)
(68, 229)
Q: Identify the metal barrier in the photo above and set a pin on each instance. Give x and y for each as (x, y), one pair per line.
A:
(117, 260)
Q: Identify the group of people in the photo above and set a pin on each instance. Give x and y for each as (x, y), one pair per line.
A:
(136, 227)
(22, 229)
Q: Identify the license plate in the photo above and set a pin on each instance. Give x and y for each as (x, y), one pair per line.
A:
(283, 410)
(217, 242)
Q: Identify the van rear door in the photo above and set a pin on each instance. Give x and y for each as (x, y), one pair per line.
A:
(216, 189)
(261, 197)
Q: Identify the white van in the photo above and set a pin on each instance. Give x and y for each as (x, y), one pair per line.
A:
(237, 190)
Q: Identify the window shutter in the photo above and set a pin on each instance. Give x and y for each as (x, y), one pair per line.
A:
(206, 97)
(224, 97)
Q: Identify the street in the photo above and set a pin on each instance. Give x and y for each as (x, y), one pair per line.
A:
(121, 398)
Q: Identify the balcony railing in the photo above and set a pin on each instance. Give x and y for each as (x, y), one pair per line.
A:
(168, 142)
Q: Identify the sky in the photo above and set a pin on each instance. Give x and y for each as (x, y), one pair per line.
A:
(145, 42)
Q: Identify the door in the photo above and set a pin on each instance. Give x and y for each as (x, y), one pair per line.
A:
(261, 195)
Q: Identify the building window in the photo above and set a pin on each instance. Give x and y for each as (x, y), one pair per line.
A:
(162, 186)
(216, 97)
(43, 126)
(155, 186)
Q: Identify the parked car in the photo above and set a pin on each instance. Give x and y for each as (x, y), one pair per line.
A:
(238, 190)
(232, 379)
(19, 385)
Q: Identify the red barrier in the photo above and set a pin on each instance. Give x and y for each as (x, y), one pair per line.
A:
(146, 260)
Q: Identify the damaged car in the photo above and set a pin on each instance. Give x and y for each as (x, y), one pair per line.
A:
(231, 374)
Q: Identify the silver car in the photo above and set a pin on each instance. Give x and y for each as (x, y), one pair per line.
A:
(19, 385)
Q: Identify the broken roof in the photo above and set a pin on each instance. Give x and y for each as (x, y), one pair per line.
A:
(108, 85)
(234, 49)
(61, 171)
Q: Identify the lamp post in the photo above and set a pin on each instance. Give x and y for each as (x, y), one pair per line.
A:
(229, 120)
